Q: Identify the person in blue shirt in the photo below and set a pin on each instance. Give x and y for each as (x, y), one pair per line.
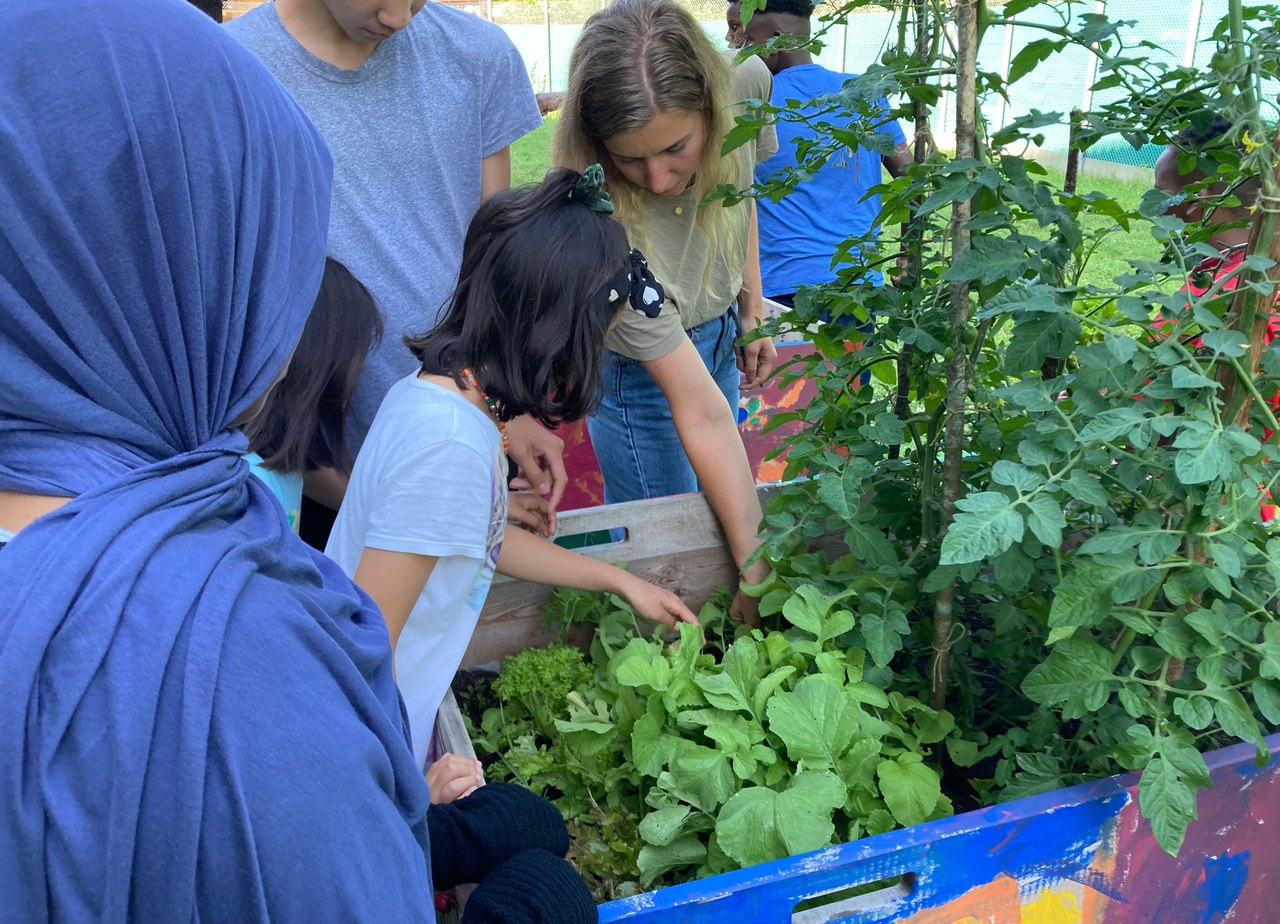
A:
(799, 234)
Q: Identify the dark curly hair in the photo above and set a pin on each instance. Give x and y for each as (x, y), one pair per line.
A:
(801, 8)
(1215, 135)
(528, 316)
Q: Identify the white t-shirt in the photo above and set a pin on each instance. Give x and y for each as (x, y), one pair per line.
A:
(430, 480)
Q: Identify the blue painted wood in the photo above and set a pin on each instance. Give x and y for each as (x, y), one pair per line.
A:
(1054, 836)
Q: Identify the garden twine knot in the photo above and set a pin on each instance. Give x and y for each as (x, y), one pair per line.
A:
(958, 631)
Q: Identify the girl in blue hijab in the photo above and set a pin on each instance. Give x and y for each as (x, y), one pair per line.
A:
(197, 714)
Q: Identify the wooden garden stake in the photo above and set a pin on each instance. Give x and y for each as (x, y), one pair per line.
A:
(944, 627)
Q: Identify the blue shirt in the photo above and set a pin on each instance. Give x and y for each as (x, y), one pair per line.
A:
(286, 486)
(799, 234)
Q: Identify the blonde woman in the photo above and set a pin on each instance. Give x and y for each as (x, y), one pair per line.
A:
(650, 99)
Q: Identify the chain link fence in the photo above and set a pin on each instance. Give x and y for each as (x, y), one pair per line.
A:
(544, 32)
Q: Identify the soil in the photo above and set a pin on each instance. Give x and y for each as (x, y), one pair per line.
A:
(473, 688)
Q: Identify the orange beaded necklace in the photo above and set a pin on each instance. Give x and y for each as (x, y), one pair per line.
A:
(493, 408)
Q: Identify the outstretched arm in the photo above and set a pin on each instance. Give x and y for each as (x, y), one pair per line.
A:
(527, 557)
(711, 440)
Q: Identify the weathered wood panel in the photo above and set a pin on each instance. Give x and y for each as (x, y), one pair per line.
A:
(450, 732)
(673, 541)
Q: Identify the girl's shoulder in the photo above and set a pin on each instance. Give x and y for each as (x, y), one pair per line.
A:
(418, 415)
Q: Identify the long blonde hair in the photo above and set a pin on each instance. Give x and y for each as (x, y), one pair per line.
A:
(634, 59)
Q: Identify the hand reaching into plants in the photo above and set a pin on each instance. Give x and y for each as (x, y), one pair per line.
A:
(756, 361)
(454, 777)
(745, 609)
(655, 603)
(527, 557)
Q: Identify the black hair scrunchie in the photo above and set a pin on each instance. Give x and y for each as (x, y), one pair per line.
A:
(644, 293)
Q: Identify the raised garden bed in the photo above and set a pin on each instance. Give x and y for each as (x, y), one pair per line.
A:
(1080, 854)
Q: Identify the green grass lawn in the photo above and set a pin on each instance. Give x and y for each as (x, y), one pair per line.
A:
(1108, 260)
(531, 156)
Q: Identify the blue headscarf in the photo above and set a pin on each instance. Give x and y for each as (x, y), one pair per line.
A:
(197, 714)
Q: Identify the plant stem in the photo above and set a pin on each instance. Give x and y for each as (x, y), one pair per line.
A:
(913, 239)
(1073, 153)
(1247, 381)
(1244, 314)
(953, 435)
(1123, 641)
(1240, 51)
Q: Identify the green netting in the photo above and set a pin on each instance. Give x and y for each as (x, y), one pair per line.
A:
(544, 32)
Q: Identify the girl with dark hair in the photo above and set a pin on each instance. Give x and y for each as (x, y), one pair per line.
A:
(300, 427)
(545, 273)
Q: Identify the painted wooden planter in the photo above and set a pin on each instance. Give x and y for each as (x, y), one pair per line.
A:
(1081, 855)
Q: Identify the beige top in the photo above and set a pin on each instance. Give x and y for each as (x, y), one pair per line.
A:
(677, 250)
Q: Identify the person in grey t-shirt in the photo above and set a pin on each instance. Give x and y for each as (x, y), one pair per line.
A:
(418, 103)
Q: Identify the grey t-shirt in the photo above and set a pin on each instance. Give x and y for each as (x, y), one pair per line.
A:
(408, 130)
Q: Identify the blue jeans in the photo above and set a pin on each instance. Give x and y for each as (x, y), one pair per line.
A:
(632, 432)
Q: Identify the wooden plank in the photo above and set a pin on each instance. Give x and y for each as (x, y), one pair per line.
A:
(661, 526)
(675, 542)
(450, 736)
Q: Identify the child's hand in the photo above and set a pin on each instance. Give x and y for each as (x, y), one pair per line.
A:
(656, 604)
(745, 609)
(453, 777)
(529, 510)
(539, 454)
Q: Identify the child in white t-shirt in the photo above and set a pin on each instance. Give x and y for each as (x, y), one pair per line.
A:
(544, 274)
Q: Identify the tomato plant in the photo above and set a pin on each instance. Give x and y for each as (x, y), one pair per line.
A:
(1050, 562)
(1056, 483)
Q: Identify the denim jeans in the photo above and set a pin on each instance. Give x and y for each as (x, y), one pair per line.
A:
(632, 432)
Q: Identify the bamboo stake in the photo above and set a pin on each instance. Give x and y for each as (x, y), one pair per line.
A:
(1251, 310)
(913, 240)
(958, 366)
